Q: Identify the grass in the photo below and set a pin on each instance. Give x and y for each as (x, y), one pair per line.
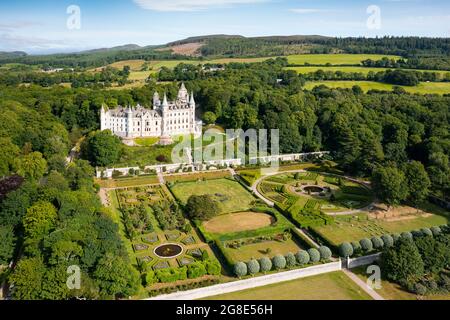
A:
(143, 156)
(146, 142)
(353, 69)
(231, 196)
(328, 286)
(240, 221)
(421, 88)
(258, 250)
(393, 291)
(336, 59)
(127, 182)
(356, 227)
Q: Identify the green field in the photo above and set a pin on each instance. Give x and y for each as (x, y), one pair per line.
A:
(335, 59)
(328, 286)
(356, 227)
(231, 196)
(354, 69)
(422, 88)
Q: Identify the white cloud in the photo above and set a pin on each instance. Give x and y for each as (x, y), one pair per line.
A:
(303, 11)
(189, 5)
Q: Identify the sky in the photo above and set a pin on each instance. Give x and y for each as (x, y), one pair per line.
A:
(49, 26)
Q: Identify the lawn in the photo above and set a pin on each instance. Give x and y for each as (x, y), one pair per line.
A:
(422, 88)
(146, 142)
(127, 182)
(335, 59)
(393, 291)
(231, 196)
(356, 227)
(258, 250)
(143, 156)
(239, 221)
(328, 286)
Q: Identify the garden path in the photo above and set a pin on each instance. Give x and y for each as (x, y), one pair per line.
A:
(363, 285)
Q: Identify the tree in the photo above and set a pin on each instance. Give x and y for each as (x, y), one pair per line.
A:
(345, 250)
(290, 260)
(253, 266)
(433, 253)
(418, 181)
(201, 207)
(389, 184)
(279, 262)
(325, 253)
(39, 219)
(402, 263)
(116, 277)
(366, 244)
(356, 247)
(314, 255)
(388, 240)
(31, 166)
(265, 264)
(302, 257)
(209, 117)
(377, 242)
(7, 239)
(240, 269)
(101, 148)
(8, 155)
(27, 279)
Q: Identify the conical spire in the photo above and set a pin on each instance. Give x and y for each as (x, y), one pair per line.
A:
(192, 101)
(165, 103)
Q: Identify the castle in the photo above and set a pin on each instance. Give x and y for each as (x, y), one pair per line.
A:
(164, 120)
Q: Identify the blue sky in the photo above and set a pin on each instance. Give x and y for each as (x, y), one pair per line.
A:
(41, 26)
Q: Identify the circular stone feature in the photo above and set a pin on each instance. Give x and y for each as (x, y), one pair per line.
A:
(313, 189)
(168, 250)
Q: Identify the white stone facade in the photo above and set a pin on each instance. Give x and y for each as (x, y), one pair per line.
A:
(165, 119)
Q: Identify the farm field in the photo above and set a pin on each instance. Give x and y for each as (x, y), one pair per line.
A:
(336, 59)
(356, 227)
(231, 196)
(354, 69)
(329, 286)
(422, 88)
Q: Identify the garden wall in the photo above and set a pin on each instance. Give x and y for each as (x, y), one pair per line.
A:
(251, 282)
(361, 261)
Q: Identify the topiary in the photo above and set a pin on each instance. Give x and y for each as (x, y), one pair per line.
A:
(314, 255)
(346, 250)
(150, 277)
(279, 262)
(325, 253)
(406, 235)
(387, 240)
(290, 260)
(435, 230)
(265, 264)
(302, 257)
(366, 244)
(213, 267)
(426, 231)
(416, 233)
(377, 242)
(240, 269)
(253, 266)
(356, 247)
(396, 237)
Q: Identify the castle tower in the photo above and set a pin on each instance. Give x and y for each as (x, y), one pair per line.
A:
(129, 123)
(156, 101)
(103, 117)
(182, 93)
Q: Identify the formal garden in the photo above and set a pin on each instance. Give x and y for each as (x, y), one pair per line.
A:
(163, 244)
(312, 199)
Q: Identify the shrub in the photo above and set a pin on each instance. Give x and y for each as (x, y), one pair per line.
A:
(195, 270)
(356, 247)
(314, 255)
(396, 237)
(162, 158)
(377, 242)
(171, 274)
(416, 233)
(366, 244)
(253, 266)
(426, 231)
(265, 264)
(346, 250)
(302, 257)
(150, 278)
(388, 240)
(420, 289)
(290, 260)
(213, 267)
(325, 253)
(436, 230)
(279, 262)
(406, 235)
(240, 269)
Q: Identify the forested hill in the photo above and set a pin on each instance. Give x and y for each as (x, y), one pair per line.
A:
(239, 46)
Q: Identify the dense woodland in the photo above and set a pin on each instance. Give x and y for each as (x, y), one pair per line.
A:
(52, 217)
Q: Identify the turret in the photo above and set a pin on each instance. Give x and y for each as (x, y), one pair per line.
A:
(103, 117)
(165, 104)
(192, 101)
(156, 101)
(129, 113)
(182, 94)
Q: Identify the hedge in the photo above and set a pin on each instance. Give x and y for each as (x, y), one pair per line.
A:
(196, 270)
(171, 274)
(426, 231)
(346, 250)
(406, 235)
(436, 230)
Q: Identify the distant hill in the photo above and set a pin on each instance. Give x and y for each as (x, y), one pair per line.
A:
(13, 54)
(126, 47)
(202, 39)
